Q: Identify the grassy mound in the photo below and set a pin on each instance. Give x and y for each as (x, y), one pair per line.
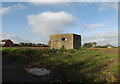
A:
(69, 65)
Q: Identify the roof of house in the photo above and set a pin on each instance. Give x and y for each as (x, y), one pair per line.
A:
(5, 40)
(110, 45)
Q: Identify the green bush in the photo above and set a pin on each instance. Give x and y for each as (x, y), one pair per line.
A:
(87, 45)
(100, 46)
(72, 50)
(62, 49)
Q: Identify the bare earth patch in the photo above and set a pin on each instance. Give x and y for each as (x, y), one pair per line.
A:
(106, 50)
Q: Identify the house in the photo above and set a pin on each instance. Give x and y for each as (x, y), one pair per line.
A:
(69, 41)
(21, 43)
(6, 43)
(39, 45)
(25, 44)
(16, 44)
(109, 46)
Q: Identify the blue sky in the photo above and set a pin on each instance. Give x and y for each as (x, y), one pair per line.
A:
(35, 22)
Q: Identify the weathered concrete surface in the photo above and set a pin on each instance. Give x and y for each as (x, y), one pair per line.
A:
(76, 41)
(69, 41)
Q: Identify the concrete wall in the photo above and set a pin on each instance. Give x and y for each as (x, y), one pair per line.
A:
(70, 41)
(76, 41)
(59, 40)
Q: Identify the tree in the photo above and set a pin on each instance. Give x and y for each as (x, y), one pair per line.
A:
(87, 45)
(26, 44)
(94, 44)
(90, 45)
(107, 44)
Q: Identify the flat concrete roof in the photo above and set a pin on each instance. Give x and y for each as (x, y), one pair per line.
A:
(66, 33)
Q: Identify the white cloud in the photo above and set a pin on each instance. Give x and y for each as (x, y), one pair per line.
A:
(13, 37)
(47, 23)
(97, 25)
(5, 10)
(103, 38)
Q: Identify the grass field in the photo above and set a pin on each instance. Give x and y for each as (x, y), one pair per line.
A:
(84, 65)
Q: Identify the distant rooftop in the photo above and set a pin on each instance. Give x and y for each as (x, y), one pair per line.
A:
(109, 45)
(5, 40)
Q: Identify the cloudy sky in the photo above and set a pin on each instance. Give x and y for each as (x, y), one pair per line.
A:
(35, 22)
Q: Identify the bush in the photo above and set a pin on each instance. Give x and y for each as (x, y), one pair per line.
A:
(72, 50)
(100, 46)
(62, 49)
(87, 45)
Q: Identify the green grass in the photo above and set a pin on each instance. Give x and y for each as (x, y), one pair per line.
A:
(73, 65)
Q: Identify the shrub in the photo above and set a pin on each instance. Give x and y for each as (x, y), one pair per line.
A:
(87, 45)
(100, 46)
(72, 50)
(62, 49)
